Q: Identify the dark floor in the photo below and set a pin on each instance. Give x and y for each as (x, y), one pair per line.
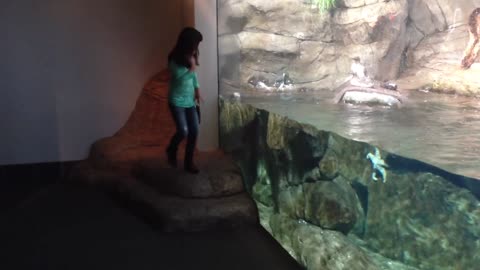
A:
(67, 227)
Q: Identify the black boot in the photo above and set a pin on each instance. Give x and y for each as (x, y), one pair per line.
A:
(172, 158)
(191, 168)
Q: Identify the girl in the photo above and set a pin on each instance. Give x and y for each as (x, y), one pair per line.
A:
(183, 96)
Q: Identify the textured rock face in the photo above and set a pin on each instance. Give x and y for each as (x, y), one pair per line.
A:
(131, 165)
(219, 177)
(325, 249)
(264, 39)
(318, 183)
(434, 65)
(145, 134)
(431, 215)
(176, 201)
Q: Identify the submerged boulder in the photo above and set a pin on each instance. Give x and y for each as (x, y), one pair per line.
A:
(332, 205)
(319, 249)
(424, 220)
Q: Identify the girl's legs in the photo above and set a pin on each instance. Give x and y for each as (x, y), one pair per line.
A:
(192, 123)
(186, 121)
(179, 117)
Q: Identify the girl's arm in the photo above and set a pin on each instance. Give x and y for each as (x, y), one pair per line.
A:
(198, 97)
(180, 72)
(196, 85)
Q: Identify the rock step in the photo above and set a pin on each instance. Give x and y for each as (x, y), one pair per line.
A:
(174, 212)
(218, 177)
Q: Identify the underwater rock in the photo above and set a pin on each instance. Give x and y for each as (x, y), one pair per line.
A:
(318, 249)
(351, 158)
(332, 205)
(233, 117)
(262, 189)
(284, 133)
(417, 217)
(329, 165)
(313, 176)
(291, 202)
(265, 213)
(298, 152)
(278, 133)
(262, 193)
(437, 222)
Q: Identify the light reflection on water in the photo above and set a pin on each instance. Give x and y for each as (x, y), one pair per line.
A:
(442, 130)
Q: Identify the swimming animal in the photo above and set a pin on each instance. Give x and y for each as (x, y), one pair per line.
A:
(471, 52)
(378, 165)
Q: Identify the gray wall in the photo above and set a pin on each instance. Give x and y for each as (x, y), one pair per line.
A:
(71, 71)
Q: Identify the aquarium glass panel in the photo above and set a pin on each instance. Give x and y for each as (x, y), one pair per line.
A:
(356, 124)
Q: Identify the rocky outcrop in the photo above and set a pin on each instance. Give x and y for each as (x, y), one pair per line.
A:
(219, 177)
(301, 177)
(434, 65)
(259, 41)
(214, 199)
(131, 166)
(330, 205)
(144, 135)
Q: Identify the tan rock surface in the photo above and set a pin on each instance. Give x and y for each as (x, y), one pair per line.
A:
(146, 133)
(131, 165)
(219, 176)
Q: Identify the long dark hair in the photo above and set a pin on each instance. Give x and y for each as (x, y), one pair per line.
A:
(187, 45)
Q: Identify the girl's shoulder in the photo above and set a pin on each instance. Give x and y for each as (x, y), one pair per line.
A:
(172, 64)
(175, 66)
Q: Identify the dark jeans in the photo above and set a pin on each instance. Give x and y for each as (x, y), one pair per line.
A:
(186, 121)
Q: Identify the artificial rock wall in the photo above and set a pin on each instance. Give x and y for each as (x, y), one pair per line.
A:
(264, 39)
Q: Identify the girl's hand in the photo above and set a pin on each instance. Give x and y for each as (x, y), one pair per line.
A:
(198, 97)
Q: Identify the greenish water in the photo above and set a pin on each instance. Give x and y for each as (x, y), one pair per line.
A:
(442, 130)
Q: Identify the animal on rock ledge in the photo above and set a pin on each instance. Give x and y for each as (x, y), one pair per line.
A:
(471, 52)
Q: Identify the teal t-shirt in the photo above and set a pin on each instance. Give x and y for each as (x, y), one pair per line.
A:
(182, 86)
